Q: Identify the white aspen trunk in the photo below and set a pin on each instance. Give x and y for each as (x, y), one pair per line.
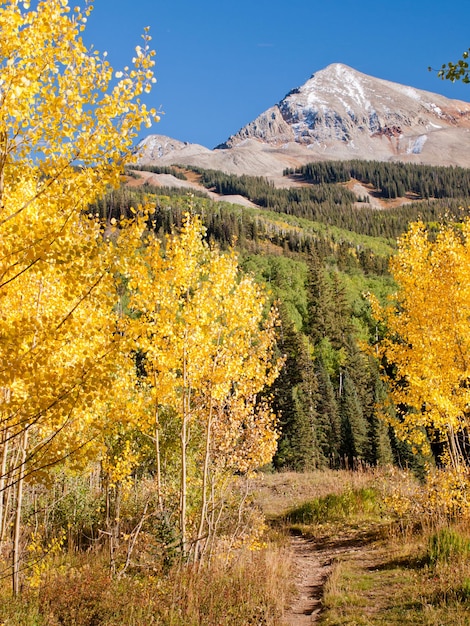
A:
(205, 480)
(183, 486)
(8, 514)
(159, 467)
(110, 529)
(3, 482)
(200, 543)
(157, 448)
(16, 555)
(184, 443)
(4, 496)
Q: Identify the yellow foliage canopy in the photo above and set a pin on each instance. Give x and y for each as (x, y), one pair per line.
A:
(208, 349)
(66, 129)
(428, 335)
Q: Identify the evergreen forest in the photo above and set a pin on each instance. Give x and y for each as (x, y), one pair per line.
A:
(321, 250)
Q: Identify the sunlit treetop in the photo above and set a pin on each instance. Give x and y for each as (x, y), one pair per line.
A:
(428, 340)
(67, 127)
(62, 107)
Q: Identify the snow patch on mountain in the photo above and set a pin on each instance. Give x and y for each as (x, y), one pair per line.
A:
(339, 113)
(410, 92)
(416, 146)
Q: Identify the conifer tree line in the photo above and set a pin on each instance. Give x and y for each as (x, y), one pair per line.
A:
(251, 229)
(391, 180)
(330, 202)
(158, 169)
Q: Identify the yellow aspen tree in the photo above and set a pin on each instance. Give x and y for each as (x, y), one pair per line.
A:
(428, 337)
(208, 354)
(67, 125)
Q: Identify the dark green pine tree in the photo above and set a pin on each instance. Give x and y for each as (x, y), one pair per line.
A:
(341, 334)
(306, 434)
(379, 450)
(358, 369)
(329, 423)
(294, 400)
(354, 427)
(320, 303)
(364, 437)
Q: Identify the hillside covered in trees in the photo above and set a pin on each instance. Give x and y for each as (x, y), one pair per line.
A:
(321, 250)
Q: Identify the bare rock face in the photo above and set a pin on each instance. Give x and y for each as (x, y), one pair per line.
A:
(159, 149)
(269, 127)
(339, 113)
(340, 105)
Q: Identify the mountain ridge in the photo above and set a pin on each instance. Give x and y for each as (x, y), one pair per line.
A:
(337, 114)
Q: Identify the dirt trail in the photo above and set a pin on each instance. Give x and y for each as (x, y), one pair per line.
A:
(315, 559)
(312, 573)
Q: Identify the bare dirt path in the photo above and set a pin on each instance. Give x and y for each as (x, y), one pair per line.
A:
(312, 573)
(315, 559)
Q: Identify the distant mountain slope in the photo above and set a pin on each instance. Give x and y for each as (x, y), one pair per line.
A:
(339, 113)
(339, 104)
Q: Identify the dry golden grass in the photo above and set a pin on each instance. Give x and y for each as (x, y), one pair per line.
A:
(387, 570)
(276, 493)
(78, 591)
(391, 583)
(384, 572)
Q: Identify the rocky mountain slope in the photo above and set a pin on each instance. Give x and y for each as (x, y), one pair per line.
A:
(339, 113)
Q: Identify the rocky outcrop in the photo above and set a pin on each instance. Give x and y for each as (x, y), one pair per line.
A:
(270, 127)
(339, 104)
(339, 113)
(159, 148)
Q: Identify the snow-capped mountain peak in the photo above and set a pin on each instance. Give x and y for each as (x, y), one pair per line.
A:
(338, 113)
(340, 104)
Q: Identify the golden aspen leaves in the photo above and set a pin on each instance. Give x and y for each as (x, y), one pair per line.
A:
(428, 339)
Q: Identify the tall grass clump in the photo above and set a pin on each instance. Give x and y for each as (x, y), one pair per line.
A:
(252, 588)
(438, 501)
(334, 507)
(446, 545)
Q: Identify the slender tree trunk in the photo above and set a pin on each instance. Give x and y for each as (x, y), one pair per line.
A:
(109, 528)
(184, 444)
(159, 467)
(183, 485)
(116, 528)
(113, 512)
(8, 514)
(212, 523)
(17, 527)
(3, 488)
(205, 481)
(455, 451)
(199, 547)
(157, 448)
(3, 160)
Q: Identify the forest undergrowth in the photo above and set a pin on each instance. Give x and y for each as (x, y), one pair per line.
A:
(392, 559)
(395, 550)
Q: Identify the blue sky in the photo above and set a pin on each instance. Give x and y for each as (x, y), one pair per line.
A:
(220, 64)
